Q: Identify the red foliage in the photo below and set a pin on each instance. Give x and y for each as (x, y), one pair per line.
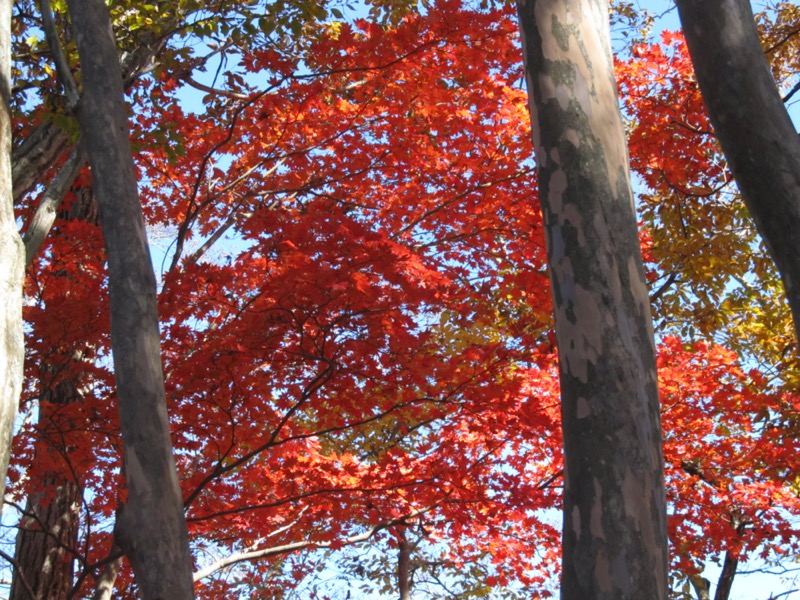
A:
(369, 344)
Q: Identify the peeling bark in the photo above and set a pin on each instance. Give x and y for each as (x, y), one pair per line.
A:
(151, 528)
(614, 532)
(752, 125)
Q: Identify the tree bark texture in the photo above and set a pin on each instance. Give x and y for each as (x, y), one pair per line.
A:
(12, 263)
(45, 541)
(752, 125)
(151, 528)
(614, 532)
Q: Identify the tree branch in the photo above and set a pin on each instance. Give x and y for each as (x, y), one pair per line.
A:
(791, 92)
(62, 66)
(294, 546)
(105, 583)
(20, 574)
(206, 88)
(45, 215)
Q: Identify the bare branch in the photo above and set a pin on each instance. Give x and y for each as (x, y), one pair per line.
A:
(791, 92)
(205, 88)
(19, 573)
(294, 546)
(235, 215)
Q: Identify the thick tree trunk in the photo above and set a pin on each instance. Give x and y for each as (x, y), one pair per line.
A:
(151, 528)
(12, 263)
(752, 125)
(614, 536)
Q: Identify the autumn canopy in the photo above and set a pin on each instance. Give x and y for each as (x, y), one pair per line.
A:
(360, 364)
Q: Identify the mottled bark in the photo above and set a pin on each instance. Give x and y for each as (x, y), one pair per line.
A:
(12, 262)
(151, 528)
(752, 125)
(614, 532)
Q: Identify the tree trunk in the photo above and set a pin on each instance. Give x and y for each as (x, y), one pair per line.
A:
(725, 581)
(151, 528)
(48, 532)
(12, 263)
(752, 125)
(403, 565)
(614, 533)
(45, 541)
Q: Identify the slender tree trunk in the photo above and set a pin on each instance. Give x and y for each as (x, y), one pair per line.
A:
(614, 535)
(151, 528)
(752, 125)
(12, 263)
(403, 565)
(725, 581)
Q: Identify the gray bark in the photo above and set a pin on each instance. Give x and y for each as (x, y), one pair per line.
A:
(752, 125)
(614, 531)
(151, 528)
(12, 263)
